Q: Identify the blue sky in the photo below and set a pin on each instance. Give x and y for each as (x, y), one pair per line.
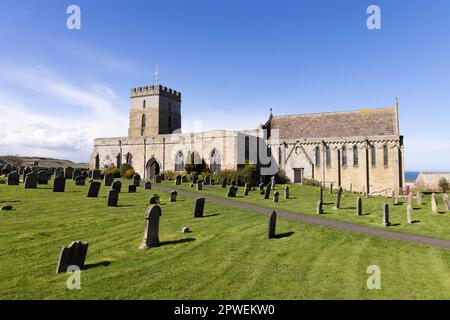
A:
(232, 61)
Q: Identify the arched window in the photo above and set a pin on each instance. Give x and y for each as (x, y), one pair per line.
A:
(328, 156)
(317, 151)
(144, 103)
(179, 161)
(355, 156)
(373, 155)
(143, 125)
(247, 149)
(129, 159)
(344, 156)
(385, 156)
(216, 162)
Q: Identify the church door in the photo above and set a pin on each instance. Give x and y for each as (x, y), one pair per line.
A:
(152, 169)
(298, 175)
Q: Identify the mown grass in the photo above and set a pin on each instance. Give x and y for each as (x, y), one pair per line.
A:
(303, 200)
(227, 256)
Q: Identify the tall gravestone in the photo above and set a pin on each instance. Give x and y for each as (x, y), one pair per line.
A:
(31, 181)
(409, 209)
(59, 172)
(359, 206)
(199, 207)
(59, 184)
(72, 255)
(419, 198)
(276, 196)
(113, 198)
(68, 173)
(386, 222)
(117, 185)
(446, 202)
(151, 230)
(267, 192)
(137, 180)
(319, 209)
(338, 199)
(178, 180)
(173, 196)
(286, 192)
(94, 188)
(13, 179)
(199, 185)
(321, 192)
(108, 180)
(148, 185)
(394, 198)
(224, 182)
(43, 177)
(271, 230)
(410, 201)
(434, 206)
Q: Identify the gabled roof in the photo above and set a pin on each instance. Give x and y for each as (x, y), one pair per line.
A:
(366, 122)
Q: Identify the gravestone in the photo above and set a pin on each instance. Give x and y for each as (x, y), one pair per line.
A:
(13, 179)
(184, 179)
(246, 191)
(163, 176)
(419, 198)
(76, 174)
(59, 184)
(185, 230)
(199, 207)
(276, 196)
(434, 206)
(96, 174)
(148, 185)
(72, 255)
(446, 202)
(151, 230)
(261, 188)
(224, 182)
(178, 180)
(173, 196)
(321, 192)
(213, 182)
(30, 181)
(286, 192)
(394, 198)
(59, 172)
(331, 188)
(359, 206)
(409, 210)
(267, 192)
(272, 225)
(208, 181)
(232, 191)
(234, 183)
(338, 199)
(199, 185)
(94, 189)
(319, 208)
(132, 188)
(137, 180)
(272, 183)
(42, 177)
(108, 180)
(113, 198)
(386, 222)
(26, 171)
(157, 179)
(410, 199)
(68, 172)
(154, 199)
(6, 208)
(80, 181)
(117, 185)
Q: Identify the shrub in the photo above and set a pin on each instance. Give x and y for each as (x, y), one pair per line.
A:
(113, 170)
(128, 173)
(444, 185)
(281, 177)
(169, 174)
(195, 164)
(311, 182)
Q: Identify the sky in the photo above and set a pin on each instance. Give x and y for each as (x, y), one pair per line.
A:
(232, 60)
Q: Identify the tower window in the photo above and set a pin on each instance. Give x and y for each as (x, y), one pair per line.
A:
(143, 125)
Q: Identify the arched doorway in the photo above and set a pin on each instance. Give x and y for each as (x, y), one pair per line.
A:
(152, 168)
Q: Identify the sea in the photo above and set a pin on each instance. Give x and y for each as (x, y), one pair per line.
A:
(411, 176)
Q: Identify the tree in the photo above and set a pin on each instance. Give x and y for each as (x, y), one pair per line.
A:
(195, 164)
(444, 184)
(15, 161)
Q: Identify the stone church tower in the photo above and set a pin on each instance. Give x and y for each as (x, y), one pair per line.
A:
(154, 110)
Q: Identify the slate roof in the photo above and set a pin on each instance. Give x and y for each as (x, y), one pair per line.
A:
(367, 122)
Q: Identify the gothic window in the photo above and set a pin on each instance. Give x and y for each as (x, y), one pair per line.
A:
(385, 156)
(179, 161)
(373, 155)
(144, 104)
(317, 151)
(344, 156)
(247, 149)
(143, 125)
(355, 156)
(216, 162)
(328, 156)
(129, 159)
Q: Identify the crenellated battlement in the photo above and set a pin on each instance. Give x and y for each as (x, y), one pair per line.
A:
(155, 90)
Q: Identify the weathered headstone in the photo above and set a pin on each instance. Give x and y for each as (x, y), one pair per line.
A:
(199, 185)
(178, 180)
(409, 209)
(13, 179)
(137, 180)
(232, 191)
(261, 188)
(108, 180)
(132, 188)
(148, 185)
(446, 202)
(286, 192)
(68, 173)
(94, 189)
(434, 206)
(394, 198)
(224, 182)
(267, 192)
(43, 177)
(157, 179)
(419, 198)
(72, 255)
(173, 196)
(80, 181)
(113, 198)
(359, 206)
(117, 185)
(319, 208)
(199, 207)
(276, 196)
(30, 181)
(271, 230)
(386, 222)
(154, 199)
(331, 188)
(151, 231)
(59, 184)
(338, 199)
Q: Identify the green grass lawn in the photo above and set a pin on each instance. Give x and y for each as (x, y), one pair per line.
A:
(303, 199)
(227, 256)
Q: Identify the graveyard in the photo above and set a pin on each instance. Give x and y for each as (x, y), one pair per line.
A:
(226, 255)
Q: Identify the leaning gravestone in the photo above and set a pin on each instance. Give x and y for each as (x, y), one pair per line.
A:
(232, 191)
(394, 198)
(136, 180)
(148, 185)
(434, 206)
(42, 177)
(359, 206)
(409, 210)
(13, 179)
(386, 222)
(446, 202)
(199, 185)
(108, 180)
(117, 185)
(199, 207)
(286, 192)
(26, 171)
(272, 225)
(113, 198)
(59, 184)
(72, 255)
(338, 199)
(80, 181)
(173, 196)
(151, 230)
(30, 181)
(224, 182)
(94, 188)
(276, 196)
(132, 188)
(178, 180)
(154, 199)
(319, 209)
(419, 198)
(267, 192)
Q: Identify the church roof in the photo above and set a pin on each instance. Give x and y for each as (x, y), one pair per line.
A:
(360, 123)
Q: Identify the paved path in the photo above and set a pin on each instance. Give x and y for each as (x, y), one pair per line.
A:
(382, 233)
